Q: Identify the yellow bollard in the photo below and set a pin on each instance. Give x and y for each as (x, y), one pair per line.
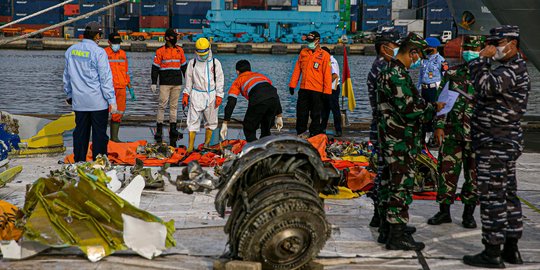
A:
(66, 36)
(161, 39)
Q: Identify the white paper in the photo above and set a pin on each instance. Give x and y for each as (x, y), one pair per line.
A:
(448, 97)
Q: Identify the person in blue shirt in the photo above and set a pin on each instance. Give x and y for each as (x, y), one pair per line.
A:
(430, 77)
(89, 89)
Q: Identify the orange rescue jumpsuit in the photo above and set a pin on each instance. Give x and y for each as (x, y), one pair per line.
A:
(119, 67)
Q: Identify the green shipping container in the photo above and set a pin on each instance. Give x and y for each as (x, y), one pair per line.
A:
(149, 30)
(345, 14)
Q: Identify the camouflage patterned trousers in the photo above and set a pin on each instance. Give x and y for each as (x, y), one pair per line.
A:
(500, 208)
(396, 182)
(452, 155)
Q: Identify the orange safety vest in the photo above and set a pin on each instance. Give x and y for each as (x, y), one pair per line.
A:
(315, 68)
(119, 67)
(245, 82)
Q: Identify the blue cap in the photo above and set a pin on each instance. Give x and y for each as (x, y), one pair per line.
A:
(433, 42)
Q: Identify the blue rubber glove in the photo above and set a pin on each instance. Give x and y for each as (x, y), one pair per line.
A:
(132, 94)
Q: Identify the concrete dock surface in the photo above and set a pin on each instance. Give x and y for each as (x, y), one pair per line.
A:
(201, 240)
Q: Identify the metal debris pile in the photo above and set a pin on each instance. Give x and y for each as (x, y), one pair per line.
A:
(152, 181)
(75, 206)
(156, 150)
(277, 217)
(194, 179)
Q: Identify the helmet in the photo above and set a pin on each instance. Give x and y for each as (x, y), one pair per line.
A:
(202, 46)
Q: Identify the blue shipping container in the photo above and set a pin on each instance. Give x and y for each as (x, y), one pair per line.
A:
(376, 12)
(86, 6)
(436, 3)
(402, 29)
(373, 25)
(438, 13)
(435, 28)
(154, 9)
(191, 8)
(127, 23)
(376, 2)
(24, 8)
(129, 9)
(189, 22)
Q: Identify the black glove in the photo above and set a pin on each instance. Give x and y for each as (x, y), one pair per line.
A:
(69, 101)
(291, 90)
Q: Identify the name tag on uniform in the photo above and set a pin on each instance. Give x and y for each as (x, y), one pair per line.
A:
(316, 65)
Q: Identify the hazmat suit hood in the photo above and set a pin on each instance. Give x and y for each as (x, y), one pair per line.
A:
(207, 59)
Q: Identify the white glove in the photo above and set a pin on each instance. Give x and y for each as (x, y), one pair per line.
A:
(279, 123)
(223, 132)
(153, 87)
(114, 108)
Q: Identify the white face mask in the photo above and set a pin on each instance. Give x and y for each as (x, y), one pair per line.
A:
(500, 54)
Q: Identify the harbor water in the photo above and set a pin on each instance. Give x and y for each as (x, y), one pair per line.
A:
(31, 82)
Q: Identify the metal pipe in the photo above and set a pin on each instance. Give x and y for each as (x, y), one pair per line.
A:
(6, 41)
(35, 14)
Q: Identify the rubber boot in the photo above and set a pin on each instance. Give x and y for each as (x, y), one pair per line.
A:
(208, 137)
(468, 216)
(384, 230)
(443, 216)
(174, 135)
(192, 135)
(159, 133)
(115, 128)
(489, 258)
(375, 220)
(399, 240)
(510, 253)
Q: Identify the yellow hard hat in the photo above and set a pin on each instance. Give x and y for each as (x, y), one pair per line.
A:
(202, 46)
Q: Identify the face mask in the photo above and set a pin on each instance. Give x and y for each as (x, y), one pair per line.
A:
(115, 47)
(429, 51)
(416, 64)
(204, 57)
(312, 45)
(173, 41)
(470, 55)
(396, 50)
(500, 54)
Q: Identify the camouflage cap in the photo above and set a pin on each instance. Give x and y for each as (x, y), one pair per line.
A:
(416, 41)
(388, 35)
(504, 31)
(473, 41)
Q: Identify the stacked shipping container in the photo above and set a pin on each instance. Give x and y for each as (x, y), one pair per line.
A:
(438, 18)
(5, 11)
(376, 13)
(154, 16)
(189, 16)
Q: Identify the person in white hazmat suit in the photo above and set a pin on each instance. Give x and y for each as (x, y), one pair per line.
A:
(203, 92)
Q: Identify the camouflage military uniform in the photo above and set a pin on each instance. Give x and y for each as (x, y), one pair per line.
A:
(378, 65)
(501, 96)
(456, 148)
(402, 111)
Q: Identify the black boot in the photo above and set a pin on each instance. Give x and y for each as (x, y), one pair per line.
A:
(399, 240)
(443, 216)
(159, 133)
(510, 253)
(410, 229)
(384, 230)
(375, 220)
(174, 135)
(489, 258)
(468, 216)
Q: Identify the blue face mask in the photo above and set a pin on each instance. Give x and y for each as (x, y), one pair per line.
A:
(204, 57)
(416, 64)
(115, 47)
(396, 50)
(312, 46)
(470, 55)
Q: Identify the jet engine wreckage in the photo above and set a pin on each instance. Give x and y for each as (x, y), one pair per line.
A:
(277, 217)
